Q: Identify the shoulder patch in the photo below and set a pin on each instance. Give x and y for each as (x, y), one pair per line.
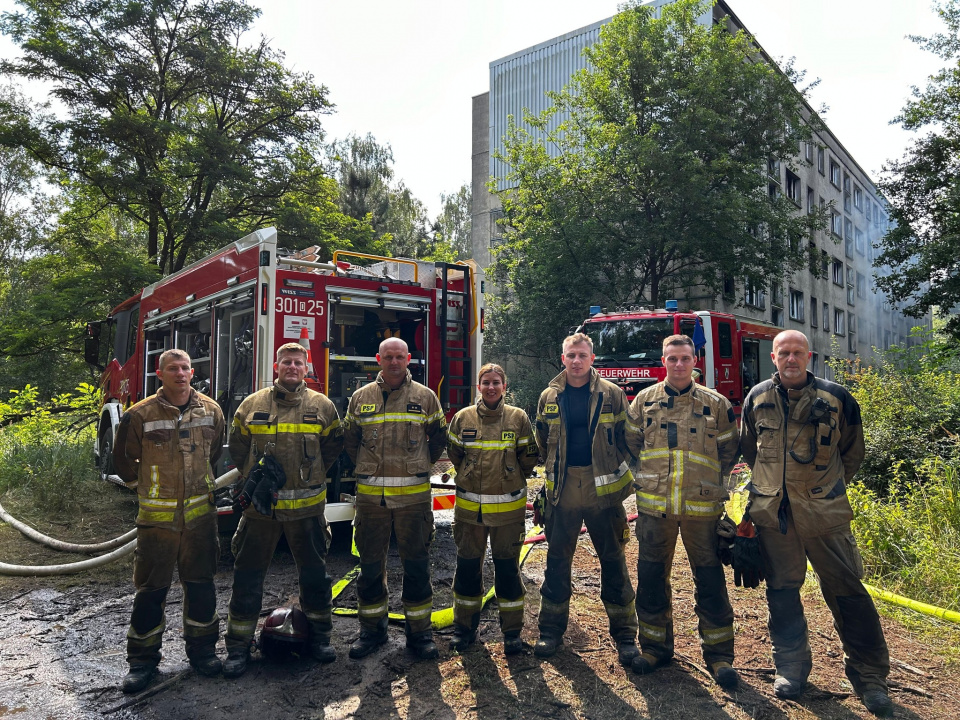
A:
(468, 434)
(551, 409)
(367, 408)
(508, 435)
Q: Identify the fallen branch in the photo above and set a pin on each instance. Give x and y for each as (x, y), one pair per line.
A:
(147, 693)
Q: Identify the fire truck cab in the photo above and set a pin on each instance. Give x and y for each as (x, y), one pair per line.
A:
(733, 353)
(231, 311)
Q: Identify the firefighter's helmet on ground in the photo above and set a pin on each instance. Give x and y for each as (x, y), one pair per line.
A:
(285, 633)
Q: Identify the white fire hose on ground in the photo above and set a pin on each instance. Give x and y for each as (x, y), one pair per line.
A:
(127, 543)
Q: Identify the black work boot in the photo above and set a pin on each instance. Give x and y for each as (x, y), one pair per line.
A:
(368, 641)
(137, 678)
(626, 652)
(547, 646)
(207, 664)
(462, 639)
(321, 649)
(878, 702)
(422, 645)
(725, 675)
(512, 644)
(236, 663)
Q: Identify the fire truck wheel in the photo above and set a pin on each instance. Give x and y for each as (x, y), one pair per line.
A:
(105, 462)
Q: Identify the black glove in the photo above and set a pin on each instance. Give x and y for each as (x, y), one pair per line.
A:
(726, 532)
(243, 492)
(272, 478)
(540, 506)
(747, 561)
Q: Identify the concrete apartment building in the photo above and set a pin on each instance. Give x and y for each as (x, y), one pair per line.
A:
(841, 310)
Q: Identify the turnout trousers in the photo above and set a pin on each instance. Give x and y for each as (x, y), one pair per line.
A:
(506, 542)
(194, 552)
(609, 533)
(837, 564)
(413, 525)
(658, 541)
(253, 546)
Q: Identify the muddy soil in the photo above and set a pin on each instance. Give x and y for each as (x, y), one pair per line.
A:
(62, 656)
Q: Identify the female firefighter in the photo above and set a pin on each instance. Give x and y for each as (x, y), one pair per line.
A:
(492, 447)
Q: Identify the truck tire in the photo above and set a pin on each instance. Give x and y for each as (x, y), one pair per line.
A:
(105, 461)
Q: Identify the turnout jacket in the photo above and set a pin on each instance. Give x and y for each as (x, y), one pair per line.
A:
(608, 414)
(394, 437)
(494, 452)
(169, 456)
(301, 429)
(803, 447)
(687, 443)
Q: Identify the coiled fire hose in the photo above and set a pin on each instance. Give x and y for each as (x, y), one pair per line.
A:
(128, 543)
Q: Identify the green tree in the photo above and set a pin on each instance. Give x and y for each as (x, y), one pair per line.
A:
(923, 189)
(650, 177)
(452, 226)
(171, 118)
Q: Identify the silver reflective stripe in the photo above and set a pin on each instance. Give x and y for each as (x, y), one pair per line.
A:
(198, 422)
(613, 477)
(477, 498)
(197, 623)
(392, 481)
(468, 601)
(416, 614)
(506, 605)
(301, 494)
(373, 611)
(159, 425)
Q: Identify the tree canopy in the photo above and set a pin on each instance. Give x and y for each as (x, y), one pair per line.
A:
(174, 121)
(648, 176)
(922, 249)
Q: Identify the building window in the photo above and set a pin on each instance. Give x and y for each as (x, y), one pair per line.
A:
(861, 286)
(839, 320)
(796, 305)
(851, 332)
(834, 174)
(773, 190)
(728, 287)
(869, 205)
(811, 201)
(777, 297)
(815, 364)
(813, 311)
(808, 152)
(860, 243)
(794, 189)
(773, 169)
(777, 317)
(848, 237)
(838, 273)
(824, 264)
(826, 318)
(858, 198)
(754, 296)
(820, 160)
(836, 223)
(850, 300)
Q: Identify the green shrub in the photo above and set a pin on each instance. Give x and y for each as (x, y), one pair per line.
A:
(910, 539)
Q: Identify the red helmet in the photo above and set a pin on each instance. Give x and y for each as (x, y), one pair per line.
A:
(284, 633)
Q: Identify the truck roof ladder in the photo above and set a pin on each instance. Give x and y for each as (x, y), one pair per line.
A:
(457, 388)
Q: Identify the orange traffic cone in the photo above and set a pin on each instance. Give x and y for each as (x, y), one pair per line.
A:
(305, 344)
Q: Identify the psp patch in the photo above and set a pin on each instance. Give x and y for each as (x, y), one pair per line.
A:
(551, 409)
(508, 435)
(368, 408)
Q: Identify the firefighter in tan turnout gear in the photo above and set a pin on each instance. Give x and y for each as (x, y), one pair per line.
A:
(290, 427)
(492, 447)
(395, 431)
(687, 441)
(580, 434)
(803, 439)
(166, 445)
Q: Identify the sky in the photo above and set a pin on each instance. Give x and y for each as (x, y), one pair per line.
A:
(406, 71)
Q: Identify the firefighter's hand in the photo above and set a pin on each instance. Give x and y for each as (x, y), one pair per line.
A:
(243, 491)
(540, 506)
(726, 532)
(747, 560)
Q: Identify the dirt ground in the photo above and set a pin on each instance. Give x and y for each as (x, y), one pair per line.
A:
(62, 652)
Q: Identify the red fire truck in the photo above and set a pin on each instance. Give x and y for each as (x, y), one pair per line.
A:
(733, 353)
(233, 309)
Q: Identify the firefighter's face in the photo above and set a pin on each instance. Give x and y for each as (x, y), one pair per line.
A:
(291, 369)
(577, 358)
(791, 353)
(175, 375)
(679, 361)
(393, 358)
(491, 388)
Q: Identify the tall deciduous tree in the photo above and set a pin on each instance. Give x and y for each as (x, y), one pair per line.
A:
(172, 118)
(452, 226)
(922, 249)
(651, 177)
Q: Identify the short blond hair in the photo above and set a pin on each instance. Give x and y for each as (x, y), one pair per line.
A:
(175, 353)
(292, 348)
(492, 368)
(575, 339)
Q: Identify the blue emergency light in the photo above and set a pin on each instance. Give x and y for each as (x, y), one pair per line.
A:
(670, 305)
(594, 310)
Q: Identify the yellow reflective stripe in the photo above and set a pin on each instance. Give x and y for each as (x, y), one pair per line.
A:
(549, 481)
(415, 612)
(454, 440)
(632, 427)
(550, 421)
(676, 488)
(198, 511)
(702, 509)
(654, 632)
(155, 517)
(372, 610)
(525, 440)
(158, 630)
(392, 417)
(305, 499)
(390, 490)
(237, 425)
(618, 611)
(321, 616)
(614, 482)
(654, 454)
(488, 444)
(509, 605)
(468, 601)
(159, 502)
(713, 636)
(649, 500)
(236, 627)
(333, 426)
(299, 428)
(492, 507)
(438, 415)
(704, 460)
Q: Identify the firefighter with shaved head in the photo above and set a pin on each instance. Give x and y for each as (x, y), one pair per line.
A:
(284, 438)
(166, 446)
(395, 430)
